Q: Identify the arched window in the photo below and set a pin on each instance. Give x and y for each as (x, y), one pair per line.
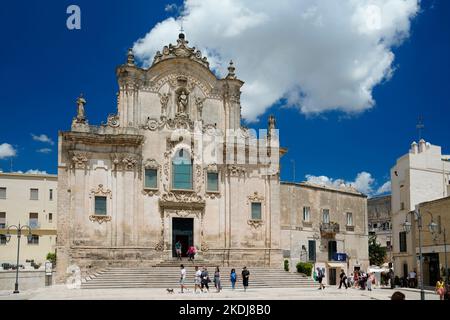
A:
(182, 170)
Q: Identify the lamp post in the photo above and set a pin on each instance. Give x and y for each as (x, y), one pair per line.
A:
(19, 229)
(407, 228)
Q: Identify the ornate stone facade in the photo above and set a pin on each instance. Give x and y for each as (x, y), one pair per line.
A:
(171, 111)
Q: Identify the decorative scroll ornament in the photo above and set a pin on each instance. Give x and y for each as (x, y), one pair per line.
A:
(204, 246)
(99, 218)
(79, 160)
(124, 161)
(182, 197)
(151, 164)
(180, 121)
(255, 197)
(164, 99)
(129, 162)
(113, 120)
(255, 223)
(101, 191)
(181, 50)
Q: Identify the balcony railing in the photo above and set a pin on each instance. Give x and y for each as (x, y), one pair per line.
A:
(329, 229)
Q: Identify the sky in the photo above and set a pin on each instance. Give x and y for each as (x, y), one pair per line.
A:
(346, 80)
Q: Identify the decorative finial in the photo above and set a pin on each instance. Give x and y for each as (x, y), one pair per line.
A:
(272, 122)
(181, 34)
(130, 59)
(231, 69)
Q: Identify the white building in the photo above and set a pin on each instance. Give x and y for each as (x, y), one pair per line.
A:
(28, 199)
(421, 175)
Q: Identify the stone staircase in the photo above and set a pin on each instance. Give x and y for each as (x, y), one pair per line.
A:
(168, 277)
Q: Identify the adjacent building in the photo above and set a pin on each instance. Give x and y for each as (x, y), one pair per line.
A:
(326, 226)
(379, 218)
(421, 175)
(28, 199)
(435, 249)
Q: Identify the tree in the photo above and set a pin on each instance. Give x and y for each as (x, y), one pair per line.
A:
(377, 253)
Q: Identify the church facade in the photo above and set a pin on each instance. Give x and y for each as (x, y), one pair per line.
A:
(172, 165)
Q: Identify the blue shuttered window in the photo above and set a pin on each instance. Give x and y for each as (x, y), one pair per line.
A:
(100, 206)
(182, 171)
(151, 176)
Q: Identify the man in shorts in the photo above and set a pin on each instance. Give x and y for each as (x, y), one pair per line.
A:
(182, 278)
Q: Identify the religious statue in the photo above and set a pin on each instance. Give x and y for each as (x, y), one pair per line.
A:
(182, 102)
(80, 112)
(164, 99)
(271, 122)
(199, 104)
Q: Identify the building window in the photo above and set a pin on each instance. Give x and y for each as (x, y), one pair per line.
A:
(402, 206)
(306, 211)
(151, 178)
(312, 250)
(33, 239)
(182, 171)
(50, 217)
(50, 194)
(2, 220)
(349, 219)
(2, 239)
(34, 194)
(332, 250)
(402, 236)
(100, 206)
(2, 193)
(326, 216)
(256, 210)
(388, 245)
(212, 181)
(33, 220)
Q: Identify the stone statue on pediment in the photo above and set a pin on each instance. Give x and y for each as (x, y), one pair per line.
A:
(81, 117)
(164, 99)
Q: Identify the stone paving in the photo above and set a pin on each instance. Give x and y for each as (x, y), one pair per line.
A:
(61, 292)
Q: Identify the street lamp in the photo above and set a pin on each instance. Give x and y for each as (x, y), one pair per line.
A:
(19, 229)
(432, 228)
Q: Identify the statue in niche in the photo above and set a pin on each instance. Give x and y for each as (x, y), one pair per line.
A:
(164, 99)
(199, 104)
(182, 102)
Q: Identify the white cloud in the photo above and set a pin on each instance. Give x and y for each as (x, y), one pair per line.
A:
(385, 188)
(44, 150)
(33, 171)
(319, 55)
(171, 7)
(364, 183)
(42, 138)
(7, 151)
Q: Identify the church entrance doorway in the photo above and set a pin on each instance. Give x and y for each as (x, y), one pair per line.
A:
(183, 231)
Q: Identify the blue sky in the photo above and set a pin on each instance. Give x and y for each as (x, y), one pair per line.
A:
(44, 67)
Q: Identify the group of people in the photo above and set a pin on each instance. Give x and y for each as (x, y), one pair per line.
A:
(190, 253)
(358, 279)
(202, 279)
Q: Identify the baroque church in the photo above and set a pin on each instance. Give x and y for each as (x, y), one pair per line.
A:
(173, 164)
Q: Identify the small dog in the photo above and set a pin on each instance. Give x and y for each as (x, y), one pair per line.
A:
(170, 290)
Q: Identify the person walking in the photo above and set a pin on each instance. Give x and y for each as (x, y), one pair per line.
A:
(392, 278)
(245, 278)
(182, 278)
(198, 280)
(178, 249)
(343, 278)
(320, 276)
(217, 283)
(370, 280)
(440, 288)
(233, 279)
(412, 279)
(205, 279)
(191, 253)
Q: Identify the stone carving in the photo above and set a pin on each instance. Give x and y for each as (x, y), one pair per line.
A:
(151, 164)
(113, 120)
(99, 219)
(182, 101)
(204, 246)
(164, 99)
(199, 175)
(236, 171)
(180, 50)
(160, 245)
(129, 162)
(231, 71)
(181, 121)
(100, 191)
(199, 105)
(124, 161)
(255, 223)
(182, 197)
(255, 197)
(212, 167)
(177, 80)
(79, 160)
